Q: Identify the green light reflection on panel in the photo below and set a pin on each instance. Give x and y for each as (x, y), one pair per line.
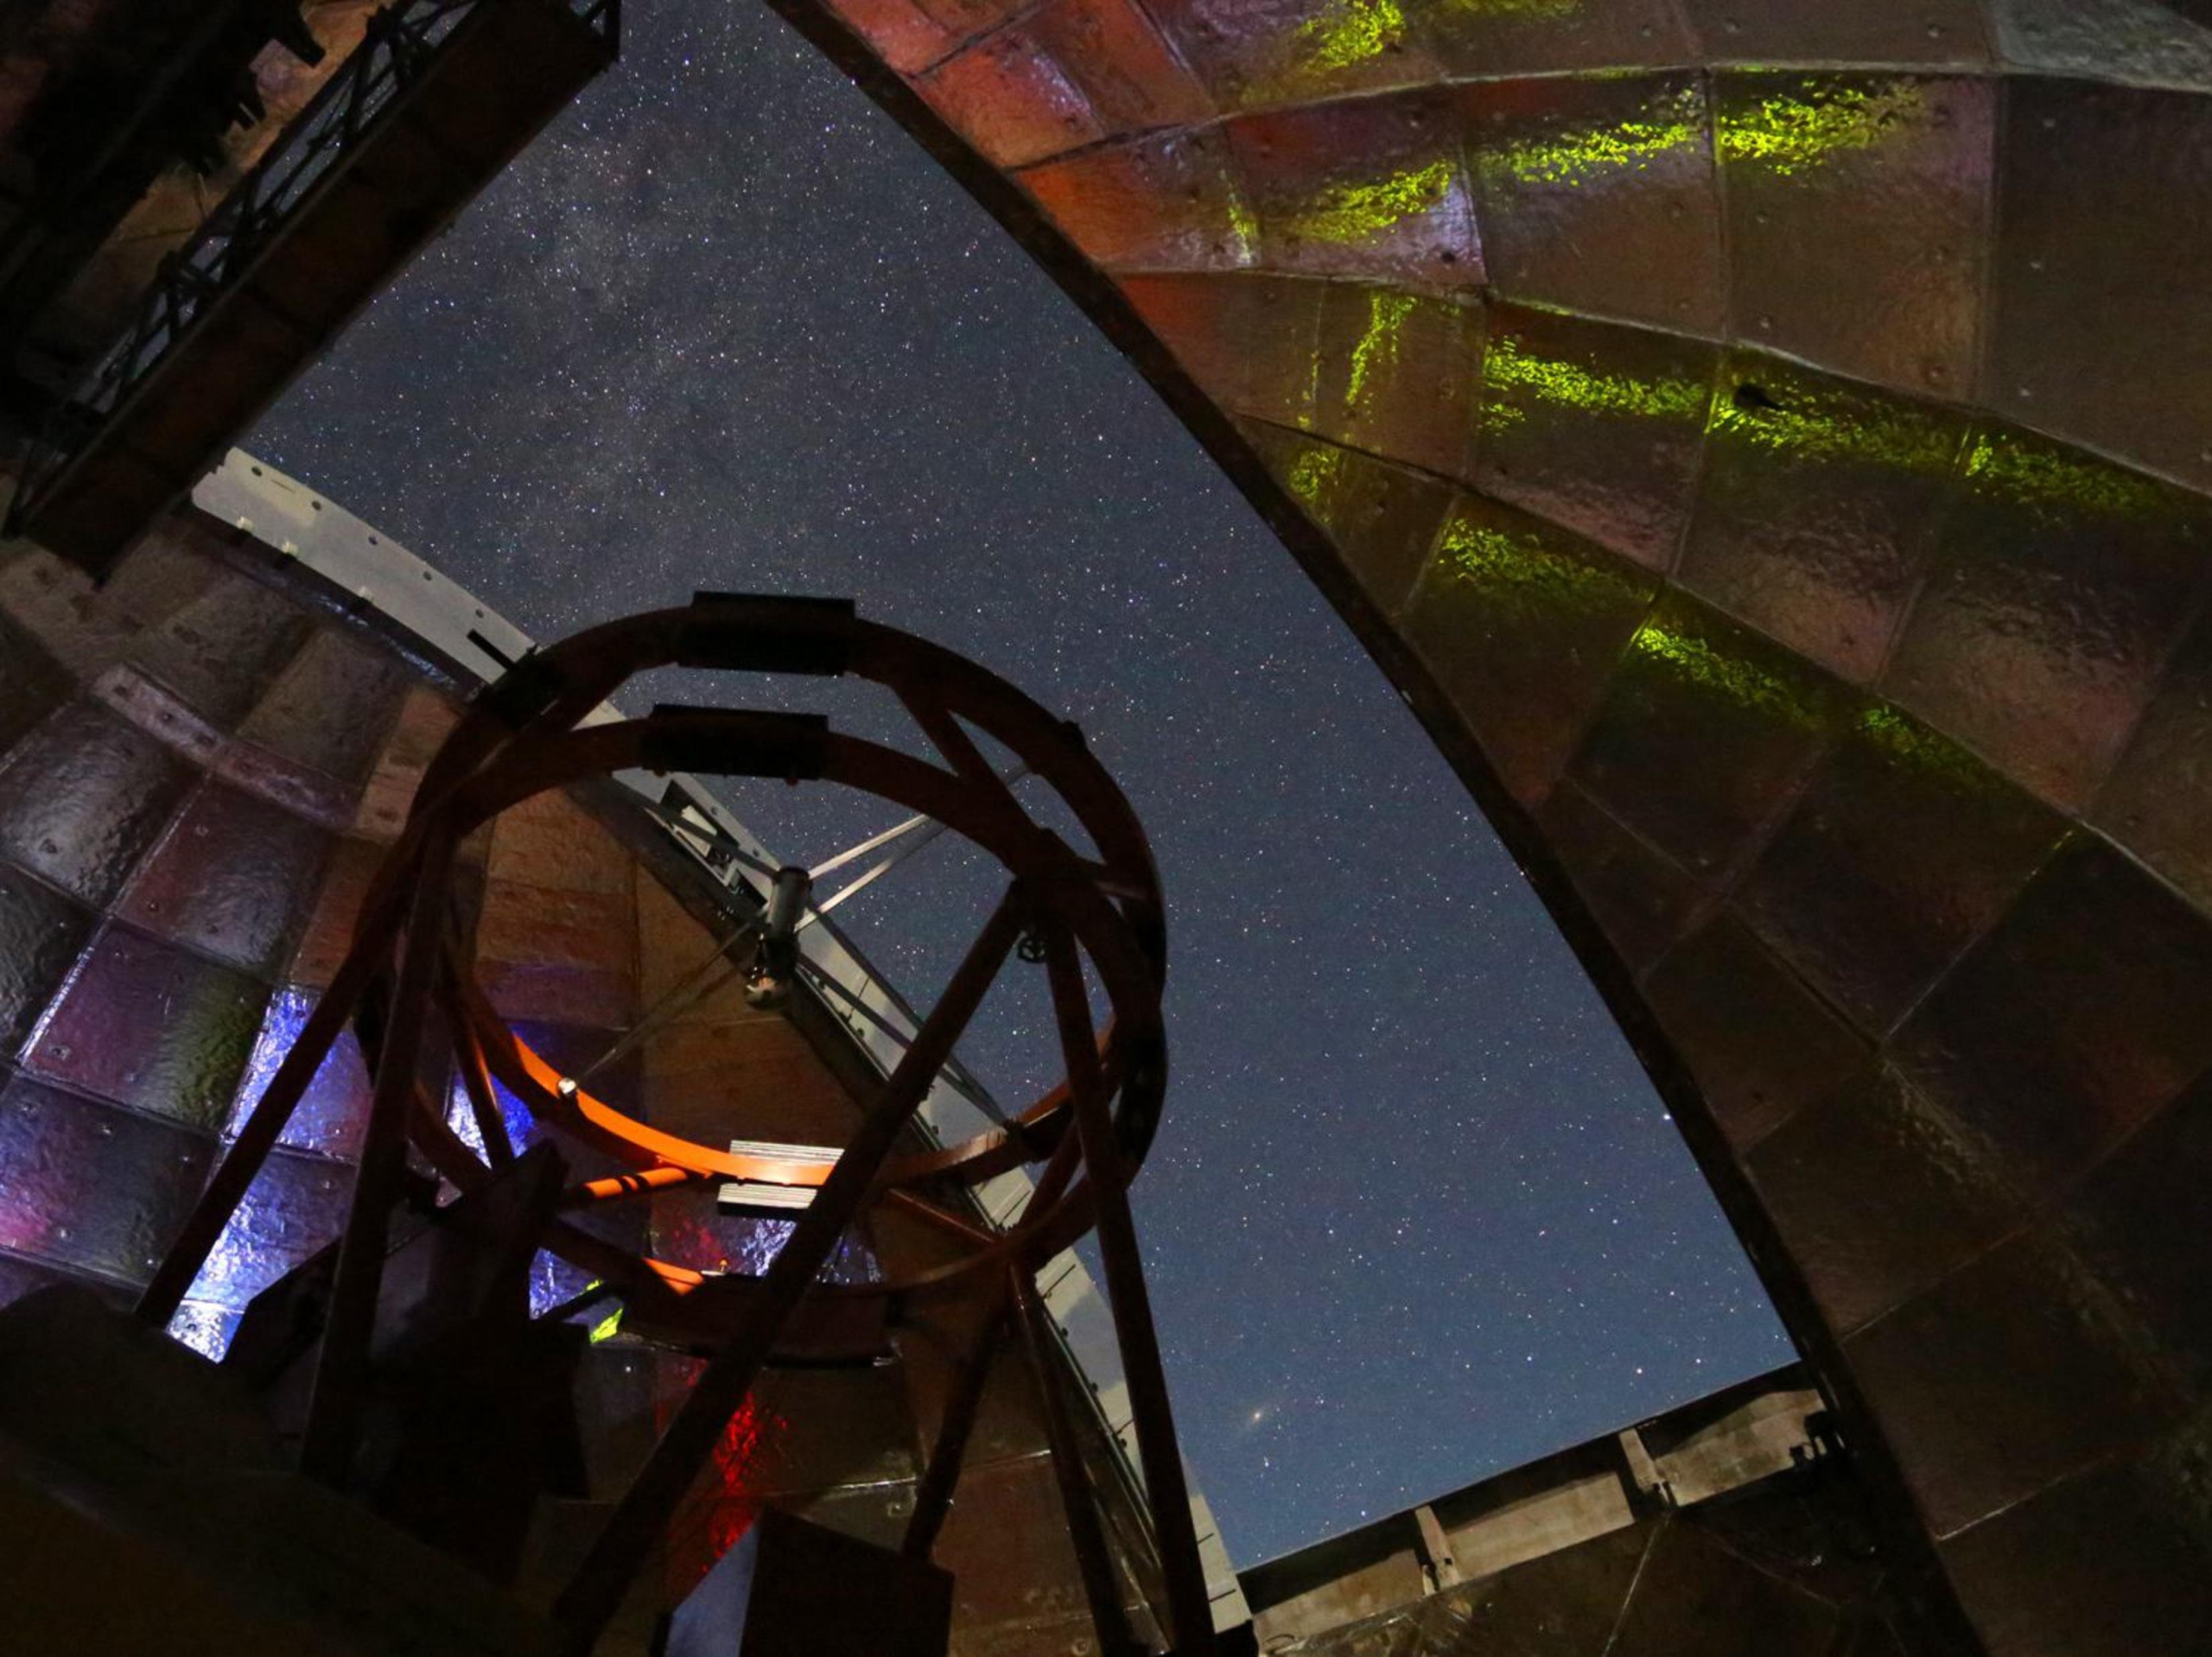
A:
(1343, 35)
(1243, 227)
(2021, 470)
(1831, 426)
(1917, 748)
(1519, 573)
(1674, 121)
(1353, 212)
(606, 1328)
(1732, 678)
(2039, 474)
(1386, 320)
(1512, 367)
(1314, 477)
(1790, 135)
(1347, 34)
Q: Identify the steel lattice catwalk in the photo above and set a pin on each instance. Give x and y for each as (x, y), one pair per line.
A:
(1767, 440)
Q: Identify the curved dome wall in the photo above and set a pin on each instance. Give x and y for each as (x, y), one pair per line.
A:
(1768, 442)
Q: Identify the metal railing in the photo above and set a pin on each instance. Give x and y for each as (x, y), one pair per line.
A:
(396, 48)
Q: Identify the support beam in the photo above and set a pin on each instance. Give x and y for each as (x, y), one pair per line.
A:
(600, 1584)
(342, 1370)
(933, 1498)
(1166, 1489)
(1085, 1531)
(234, 1175)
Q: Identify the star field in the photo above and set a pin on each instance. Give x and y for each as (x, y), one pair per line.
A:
(1414, 1215)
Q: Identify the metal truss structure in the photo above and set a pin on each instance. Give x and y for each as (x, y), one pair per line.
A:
(290, 255)
(407, 982)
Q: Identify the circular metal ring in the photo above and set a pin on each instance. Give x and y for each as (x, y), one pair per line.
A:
(523, 737)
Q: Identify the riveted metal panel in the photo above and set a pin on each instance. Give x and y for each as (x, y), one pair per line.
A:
(91, 1187)
(2109, 1564)
(1878, 1193)
(1383, 519)
(1250, 340)
(1597, 427)
(1011, 99)
(1642, 898)
(1857, 215)
(2158, 800)
(2154, 41)
(1816, 31)
(1762, 1045)
(2078, 1018)
(1398, 375)
(220, 651)
(1166, 201)
(1369, 187)
(295, 1206)
(231, 878)
(1598, 194)
(31, 685)
(150, 1026)
(1945, 1369)
(82, 798)
(909, 38)
(1133, 81)
(331, 709)
(1523, 624)
(1253, 55)
(1904, 850)
(1546, 37)
(2138, 1222)
(2061, 584)
(2104, 233)
(1707, 733)
(333, 1113)
(1818, 509)
(41, 929)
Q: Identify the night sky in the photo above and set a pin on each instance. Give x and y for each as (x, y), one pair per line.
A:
(1414, 1215)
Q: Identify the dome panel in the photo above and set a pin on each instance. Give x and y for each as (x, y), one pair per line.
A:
(1818, 509)
(1598, 194)
(1522, 623)
(1361, 187)
(1867, 31)
(2158, 42)
(1858, 211)
(2097, 311)
(1598, 427)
